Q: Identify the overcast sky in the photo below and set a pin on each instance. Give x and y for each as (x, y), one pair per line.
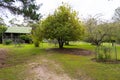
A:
(84, 7)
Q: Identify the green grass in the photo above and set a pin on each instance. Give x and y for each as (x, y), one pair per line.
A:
(78, 67)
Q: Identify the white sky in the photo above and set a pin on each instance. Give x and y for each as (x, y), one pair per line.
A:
(84, 7)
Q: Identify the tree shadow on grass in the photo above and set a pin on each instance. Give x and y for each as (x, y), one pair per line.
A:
(74, 51)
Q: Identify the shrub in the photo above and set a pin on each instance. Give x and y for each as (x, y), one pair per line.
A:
(7, 42)
(26, 38)
(36, 43)
(103, 53)
(100, 56)
(107, 52)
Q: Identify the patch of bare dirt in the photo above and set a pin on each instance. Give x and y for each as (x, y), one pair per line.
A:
(46, 70)
(75, 51)
(3, 56)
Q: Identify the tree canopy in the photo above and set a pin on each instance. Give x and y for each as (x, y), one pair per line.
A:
(2, 26)
(27, 8)
(96, 32)
(63, 25)
(37, 33)
(2, 29)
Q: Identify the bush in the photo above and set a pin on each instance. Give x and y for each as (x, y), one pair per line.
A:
(26, 38)
(36, 43)
(103, 53)
(106, 52)
(7, 42)
(100, 56)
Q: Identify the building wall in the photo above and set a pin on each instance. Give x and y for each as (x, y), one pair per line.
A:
(12, 36)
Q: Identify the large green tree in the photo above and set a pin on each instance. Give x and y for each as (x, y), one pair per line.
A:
(64, 25)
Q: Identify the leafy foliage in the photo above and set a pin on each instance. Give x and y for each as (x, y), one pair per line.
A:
(116, 31)
(2, 29)
(25, 38)
(27, 8)
(37, 34)
(63, 25)
(97, 32)
(103, 53)
(8, 42)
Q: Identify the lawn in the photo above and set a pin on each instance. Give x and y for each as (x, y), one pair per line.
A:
(76, 66)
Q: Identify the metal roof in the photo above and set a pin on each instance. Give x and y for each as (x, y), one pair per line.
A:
(18, 30)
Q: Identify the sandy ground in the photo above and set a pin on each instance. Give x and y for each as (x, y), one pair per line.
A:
(3, 56)
(46, 70)
(51, 70)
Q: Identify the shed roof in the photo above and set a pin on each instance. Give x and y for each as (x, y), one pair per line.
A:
(18, 30)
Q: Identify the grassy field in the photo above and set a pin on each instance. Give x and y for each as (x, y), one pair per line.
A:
(76, 66)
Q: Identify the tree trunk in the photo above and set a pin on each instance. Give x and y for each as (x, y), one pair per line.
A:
(66, 42)
(61, 42)
(36, 43)
(61, 45)
(2, 38)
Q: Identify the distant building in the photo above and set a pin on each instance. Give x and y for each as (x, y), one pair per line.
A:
(13, 33)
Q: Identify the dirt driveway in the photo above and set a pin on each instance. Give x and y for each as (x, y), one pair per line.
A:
(46, 70)
(3, 56)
